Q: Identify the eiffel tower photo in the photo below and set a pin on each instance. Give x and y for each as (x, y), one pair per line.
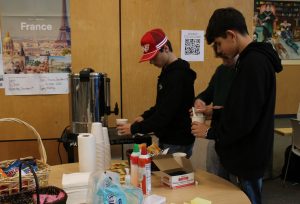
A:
(64, 36)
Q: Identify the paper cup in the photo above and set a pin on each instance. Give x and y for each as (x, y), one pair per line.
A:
(121, 121)
(199, 119)
(178, 155)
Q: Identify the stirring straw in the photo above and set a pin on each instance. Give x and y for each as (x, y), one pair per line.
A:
(194, 113)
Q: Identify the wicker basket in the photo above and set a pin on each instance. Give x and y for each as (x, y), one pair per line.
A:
(34, 195)
(9, 185)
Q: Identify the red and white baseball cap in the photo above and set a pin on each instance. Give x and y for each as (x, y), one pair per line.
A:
(152, 42)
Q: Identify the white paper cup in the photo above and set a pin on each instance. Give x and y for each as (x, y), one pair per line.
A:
(198, 118)
(177, 156)
(121, 121)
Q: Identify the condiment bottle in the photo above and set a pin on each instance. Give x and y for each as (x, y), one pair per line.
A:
(144, 163)
(134, 173)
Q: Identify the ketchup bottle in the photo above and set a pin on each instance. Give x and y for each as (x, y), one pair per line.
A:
(134, 169)
(144, 163)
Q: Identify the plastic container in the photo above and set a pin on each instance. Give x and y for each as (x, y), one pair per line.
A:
(144, 163)
(134, 170)
(127, 177)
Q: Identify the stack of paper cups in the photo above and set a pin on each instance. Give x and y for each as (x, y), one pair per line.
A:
(87, 152)
(97, 131)
(107, 152)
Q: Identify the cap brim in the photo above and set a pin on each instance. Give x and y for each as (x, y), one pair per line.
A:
(148, 56)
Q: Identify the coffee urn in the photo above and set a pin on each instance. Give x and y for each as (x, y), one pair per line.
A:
(89, 100)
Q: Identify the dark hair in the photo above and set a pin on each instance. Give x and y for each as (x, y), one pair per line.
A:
(168, 43)
(222, 20)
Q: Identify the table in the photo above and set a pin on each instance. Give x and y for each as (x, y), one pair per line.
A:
(116, 139)
(70, 143)
(281, 132)
(209, 187)
(284, 131)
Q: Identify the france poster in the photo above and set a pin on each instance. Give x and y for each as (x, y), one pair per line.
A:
(36, 46)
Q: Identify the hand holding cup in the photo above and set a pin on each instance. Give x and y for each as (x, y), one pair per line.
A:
(197, 116)
(122, 124)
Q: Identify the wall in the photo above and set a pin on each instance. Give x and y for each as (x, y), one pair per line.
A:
(139, 79)
(96, 43)
(288, 94)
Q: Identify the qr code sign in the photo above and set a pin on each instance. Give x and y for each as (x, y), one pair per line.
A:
(192, 46)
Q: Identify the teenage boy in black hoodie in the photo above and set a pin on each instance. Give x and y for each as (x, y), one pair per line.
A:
(169, 118)
(211, 102)
(244, 136)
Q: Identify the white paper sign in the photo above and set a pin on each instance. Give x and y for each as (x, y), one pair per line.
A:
(36, 84)
(192, 45)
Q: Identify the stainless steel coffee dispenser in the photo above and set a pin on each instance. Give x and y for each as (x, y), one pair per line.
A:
(89, 99)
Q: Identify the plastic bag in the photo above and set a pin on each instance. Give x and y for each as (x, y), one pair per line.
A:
(110, 193)
(133, 194)
(105, 188)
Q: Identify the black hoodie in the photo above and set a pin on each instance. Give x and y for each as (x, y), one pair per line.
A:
(169, 119)
(245, 134)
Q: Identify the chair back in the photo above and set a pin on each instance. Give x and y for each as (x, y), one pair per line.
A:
(296, 133)
(199, 156)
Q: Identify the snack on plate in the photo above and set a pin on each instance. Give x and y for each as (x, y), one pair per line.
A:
(120, 168)
(153, 149)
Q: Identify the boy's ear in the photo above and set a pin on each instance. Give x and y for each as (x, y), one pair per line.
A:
(166, 48)
(231, 34)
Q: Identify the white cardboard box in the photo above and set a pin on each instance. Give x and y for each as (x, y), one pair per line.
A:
(174, 174)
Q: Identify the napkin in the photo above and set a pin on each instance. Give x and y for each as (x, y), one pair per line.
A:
(75, 180)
